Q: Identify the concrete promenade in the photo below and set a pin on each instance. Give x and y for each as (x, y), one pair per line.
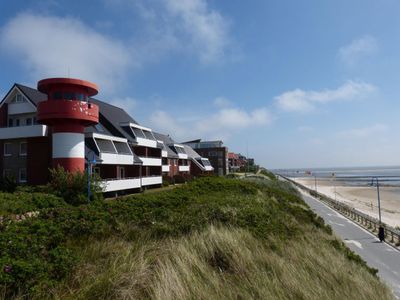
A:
(378, 255)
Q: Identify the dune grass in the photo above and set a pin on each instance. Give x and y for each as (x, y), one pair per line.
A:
(214, 238)
(220, 263)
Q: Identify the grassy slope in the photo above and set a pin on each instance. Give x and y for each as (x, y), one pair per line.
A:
(213, 238)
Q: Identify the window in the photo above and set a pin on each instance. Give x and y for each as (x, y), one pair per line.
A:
(7, 149)
(213, 153)
(28, 121)
(17, 122)
(22, 175)
(34, 120)
(18, 98)
(22, 148)
(121, 173)
(69, 96)
(7, 173)
(57, 96)
(10, 123)
(138, 132)
(105, 146)
(99, 127)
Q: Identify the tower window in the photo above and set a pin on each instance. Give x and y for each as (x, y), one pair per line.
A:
(22, 175)
(7, 149)
(23, 148)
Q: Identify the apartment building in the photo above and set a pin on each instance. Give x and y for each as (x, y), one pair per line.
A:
(180, 159)
(214, 151)
(60, 123)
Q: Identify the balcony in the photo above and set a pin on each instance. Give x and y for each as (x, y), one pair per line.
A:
(184, 168)
(151, 180)
(165, 168)
(182, 156)
(111, 185)
(55, 111)
(116, 159)
(150, 161)
(146, 142)
(23, 132)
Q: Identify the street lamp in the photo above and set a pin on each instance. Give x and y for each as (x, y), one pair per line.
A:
(381, 233)
(91, 163)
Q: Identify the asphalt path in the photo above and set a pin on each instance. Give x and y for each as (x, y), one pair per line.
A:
(378, 255)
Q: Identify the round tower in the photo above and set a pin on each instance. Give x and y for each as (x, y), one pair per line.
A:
(67, 112)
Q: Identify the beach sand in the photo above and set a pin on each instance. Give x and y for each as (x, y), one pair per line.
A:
(362, 198)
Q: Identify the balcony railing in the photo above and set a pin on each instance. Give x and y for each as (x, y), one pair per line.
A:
(23, 132)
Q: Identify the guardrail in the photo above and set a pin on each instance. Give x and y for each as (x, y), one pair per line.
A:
(392, 235)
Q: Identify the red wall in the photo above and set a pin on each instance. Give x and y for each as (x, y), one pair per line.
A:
(3, 115)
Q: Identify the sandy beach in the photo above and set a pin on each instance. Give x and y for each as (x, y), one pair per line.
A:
(362, 198)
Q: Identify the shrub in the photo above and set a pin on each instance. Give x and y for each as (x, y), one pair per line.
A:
(8, 184)
(23, 202)
(72, 187)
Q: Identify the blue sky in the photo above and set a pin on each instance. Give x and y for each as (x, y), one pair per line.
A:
(302, 83)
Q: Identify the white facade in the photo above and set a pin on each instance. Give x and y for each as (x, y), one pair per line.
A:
(151, 180)
(120, 184)
(68, 145)
(148, 161)
(184, 168)
(23, 132)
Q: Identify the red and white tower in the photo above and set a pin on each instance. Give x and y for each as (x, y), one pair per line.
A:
(67, 112)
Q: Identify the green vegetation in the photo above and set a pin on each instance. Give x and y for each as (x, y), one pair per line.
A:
(267, 173)
(211, 238)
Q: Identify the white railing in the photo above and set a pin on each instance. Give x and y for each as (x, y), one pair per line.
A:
(164, 153)
(184, 168)
(165, 168)
(110, 185)
(146, 142)
(150, 161)
(182, 156)
(23, 132)
(115, 159)
(151, 180)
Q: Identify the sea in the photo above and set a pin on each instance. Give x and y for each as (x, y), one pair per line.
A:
(385, 175)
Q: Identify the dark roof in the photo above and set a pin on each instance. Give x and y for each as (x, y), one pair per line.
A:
(163, 137)
(190, 152)
(167, 141)
(111, 116)
(194, 141)
(34, 95)
(113, 113)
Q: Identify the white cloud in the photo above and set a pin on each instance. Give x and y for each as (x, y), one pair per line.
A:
(220, 125)
(303, 101)
(206, 28)
(364, 132)
(47, 46)
(50, 46)
(358, 48)
(221, 102)
(165, 123)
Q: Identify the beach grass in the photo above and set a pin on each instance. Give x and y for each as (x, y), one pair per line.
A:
(214, 238)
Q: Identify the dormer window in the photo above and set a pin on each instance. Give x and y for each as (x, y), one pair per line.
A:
(18, 98)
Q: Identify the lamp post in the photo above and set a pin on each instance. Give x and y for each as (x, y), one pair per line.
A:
(379, 198)
(91, 163)
(315, 183)
(381, 232)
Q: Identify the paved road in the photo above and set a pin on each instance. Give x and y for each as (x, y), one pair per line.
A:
(378, 255)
